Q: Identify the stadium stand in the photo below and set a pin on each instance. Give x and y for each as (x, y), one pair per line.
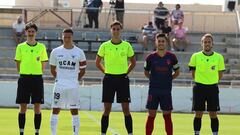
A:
(224, 44)
(195, 19)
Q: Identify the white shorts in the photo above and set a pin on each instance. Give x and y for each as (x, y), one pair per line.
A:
(66, 98)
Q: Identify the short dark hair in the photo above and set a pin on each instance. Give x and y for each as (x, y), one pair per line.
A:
(150, 23)
(31, 25)
(178, 5)
(116, 23)
(162, 35)
(160, 3)
(67, 30)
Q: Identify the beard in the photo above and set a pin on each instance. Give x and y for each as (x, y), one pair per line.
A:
(161, 48)
(208, 49)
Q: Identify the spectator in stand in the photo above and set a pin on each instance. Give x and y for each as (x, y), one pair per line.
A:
(18, 30)
(160, 15)
(92, 10)
(176, 16)
(180, 40)
(119, 9)
(166, 29)
(148, 32)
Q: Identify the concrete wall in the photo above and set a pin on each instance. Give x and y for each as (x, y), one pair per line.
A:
(198, 18)
(79, 3)
(44, 3)
(216, 22)
(91, 98)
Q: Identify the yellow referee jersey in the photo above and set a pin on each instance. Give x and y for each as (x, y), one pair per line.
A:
(207, 67)
(31, 58)
(115, 56)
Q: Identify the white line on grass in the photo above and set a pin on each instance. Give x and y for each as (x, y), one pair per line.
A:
(99, 123)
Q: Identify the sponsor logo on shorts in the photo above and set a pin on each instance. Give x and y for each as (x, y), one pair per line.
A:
(55, 101)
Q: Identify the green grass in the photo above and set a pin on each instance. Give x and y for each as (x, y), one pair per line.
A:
(229, 124)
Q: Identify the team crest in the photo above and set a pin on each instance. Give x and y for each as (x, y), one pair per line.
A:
(168, 62)
(73, 56)
(123, 54)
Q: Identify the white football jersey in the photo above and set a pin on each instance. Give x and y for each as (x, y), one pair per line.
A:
(68, 63)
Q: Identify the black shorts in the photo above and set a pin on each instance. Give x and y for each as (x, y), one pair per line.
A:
(154, 100)
(30, 86)
(205, 96)
(159, 22)
(116, 84)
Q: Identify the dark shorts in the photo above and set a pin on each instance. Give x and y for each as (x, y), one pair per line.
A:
(30, 87)
(116, 84)
(154, 99)
(159, 22)
(205, 96)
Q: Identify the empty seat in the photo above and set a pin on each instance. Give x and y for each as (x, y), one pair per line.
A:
(83, 45)
(91, 35)
(77, 35)
(131, 37)
(55, 44)
(104, 36)
(95, 46)
(138, 48)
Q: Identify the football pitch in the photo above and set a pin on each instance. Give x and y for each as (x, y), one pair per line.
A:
(90, 123)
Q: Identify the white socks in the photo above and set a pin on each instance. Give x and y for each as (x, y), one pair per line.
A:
(215, 133)
(53, 123)
(75, 124)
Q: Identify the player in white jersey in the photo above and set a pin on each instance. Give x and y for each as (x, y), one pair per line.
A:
(68, 64)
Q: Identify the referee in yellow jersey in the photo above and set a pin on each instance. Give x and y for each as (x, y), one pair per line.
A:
(116, 53)
(30, 59)
(207, 69)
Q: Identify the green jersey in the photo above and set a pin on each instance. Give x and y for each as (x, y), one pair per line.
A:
(207, 67)
(115, 56)
(31, 58)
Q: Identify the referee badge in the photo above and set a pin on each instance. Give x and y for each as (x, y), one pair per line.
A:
(168, 62)
(38, 58)
(123, 54)
(213, 67)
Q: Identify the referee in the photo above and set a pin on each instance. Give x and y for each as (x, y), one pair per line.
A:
(30, 60)
(116, 53)
(207, 69)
